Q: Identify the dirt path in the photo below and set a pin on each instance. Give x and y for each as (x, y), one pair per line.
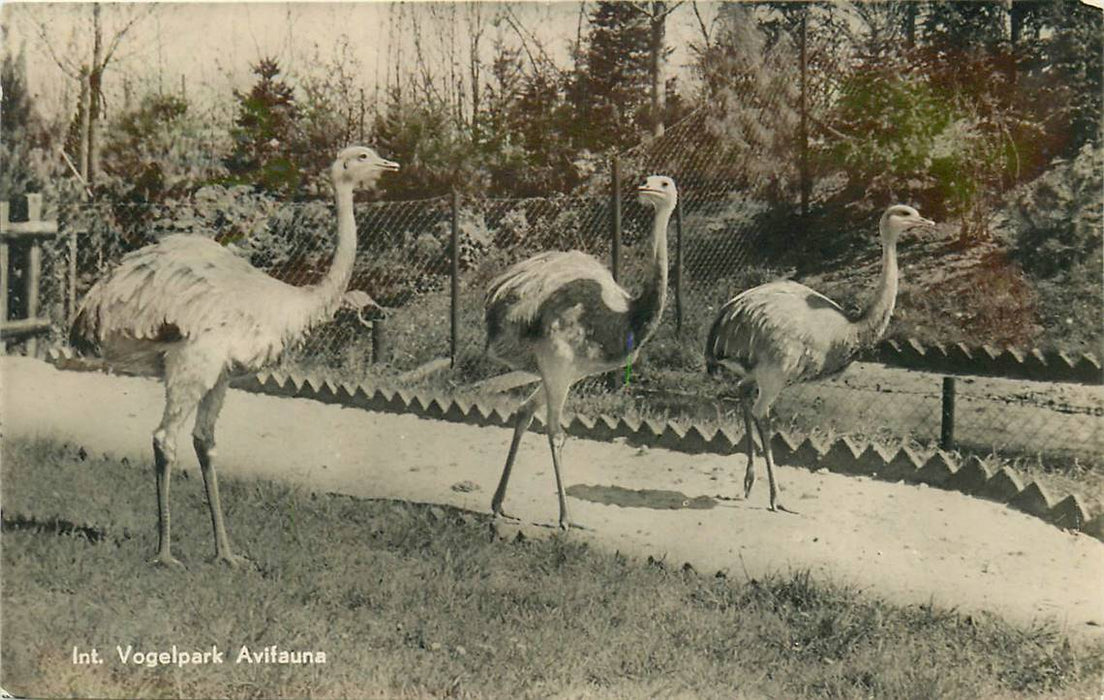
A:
(904, 543)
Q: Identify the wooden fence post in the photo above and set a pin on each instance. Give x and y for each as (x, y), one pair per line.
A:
(29, 234)
(454, 271)
(615, 218)
(34, 269)
(71, 278)
(946, 436)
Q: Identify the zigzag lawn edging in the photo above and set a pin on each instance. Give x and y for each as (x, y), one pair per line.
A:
(984, 360)
(935, 468)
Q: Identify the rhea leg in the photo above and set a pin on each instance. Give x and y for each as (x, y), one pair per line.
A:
(164, 454)
(521, 424)
(557, 396)
(749, 474)
(764, 425)
(770, 384)
(180, 401)
(203, 438)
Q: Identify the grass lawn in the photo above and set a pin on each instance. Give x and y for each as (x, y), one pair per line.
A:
(410, 600)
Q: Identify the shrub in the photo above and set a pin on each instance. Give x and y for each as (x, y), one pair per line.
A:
(1055, 220)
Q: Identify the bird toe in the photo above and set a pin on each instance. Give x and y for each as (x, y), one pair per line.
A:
(500, 514)
(234, 561)
(167, 561)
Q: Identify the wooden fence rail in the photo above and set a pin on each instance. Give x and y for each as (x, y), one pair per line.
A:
(18, 237)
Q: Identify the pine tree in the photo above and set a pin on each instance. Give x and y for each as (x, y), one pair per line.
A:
(266, 133)
(612, 96)
(20, 130)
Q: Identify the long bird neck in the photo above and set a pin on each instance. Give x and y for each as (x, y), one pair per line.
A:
(874, 321)
(336, 280)
(646, 308)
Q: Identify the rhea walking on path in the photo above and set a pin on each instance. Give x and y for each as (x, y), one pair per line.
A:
(194, 313)
(783, 333)
(561, 315)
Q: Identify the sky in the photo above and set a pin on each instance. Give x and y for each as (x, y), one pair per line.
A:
(210, 46)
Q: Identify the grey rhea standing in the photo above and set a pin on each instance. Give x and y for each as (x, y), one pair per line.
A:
(562, 315)
(782, 333)
(194, 313)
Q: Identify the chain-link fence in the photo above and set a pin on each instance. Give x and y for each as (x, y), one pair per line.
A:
(404, 262)
(743, 172)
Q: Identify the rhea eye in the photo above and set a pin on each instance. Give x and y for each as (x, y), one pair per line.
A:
(663, 184)
(362, 156)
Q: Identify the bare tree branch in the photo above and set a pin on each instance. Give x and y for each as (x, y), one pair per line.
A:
(515, 23)
(73, 72)
(701, 24)
(148, 11)
(651, 14)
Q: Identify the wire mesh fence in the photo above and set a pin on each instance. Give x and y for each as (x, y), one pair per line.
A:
(742, 170)
(404, 264)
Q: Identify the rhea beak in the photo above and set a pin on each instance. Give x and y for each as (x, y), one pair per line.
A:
(921, 223)
(388, 166)
(922, 227)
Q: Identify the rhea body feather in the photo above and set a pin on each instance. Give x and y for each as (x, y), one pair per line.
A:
(782, 333)
(796, 332)
(566, 304)
(188, 292)
(193, 312)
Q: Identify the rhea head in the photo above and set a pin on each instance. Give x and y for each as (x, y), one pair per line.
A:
(901, 218)
(360, 165)
(659, 191)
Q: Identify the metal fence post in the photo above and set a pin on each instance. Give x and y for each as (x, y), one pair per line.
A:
(946, 437)
(4, 257)
(455, 278)
(615, 219)
(678, 269)
(71, 278)
(379, 340)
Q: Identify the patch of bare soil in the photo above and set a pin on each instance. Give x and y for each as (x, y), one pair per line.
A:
(949, 293)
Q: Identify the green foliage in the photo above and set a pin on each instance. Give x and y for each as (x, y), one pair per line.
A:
(266, 131)
(1061, 61)
(20, 130)
(331, 113)
(435, 155)
(749, 96)
(1056, 218)
(888, 124)
(537, 157)
(159, 151)
(611, 93)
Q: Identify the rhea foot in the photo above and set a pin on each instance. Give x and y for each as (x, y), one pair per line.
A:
(167, 560)
(568, 525)
(779, 508)
(234, 561)
(499, 513)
